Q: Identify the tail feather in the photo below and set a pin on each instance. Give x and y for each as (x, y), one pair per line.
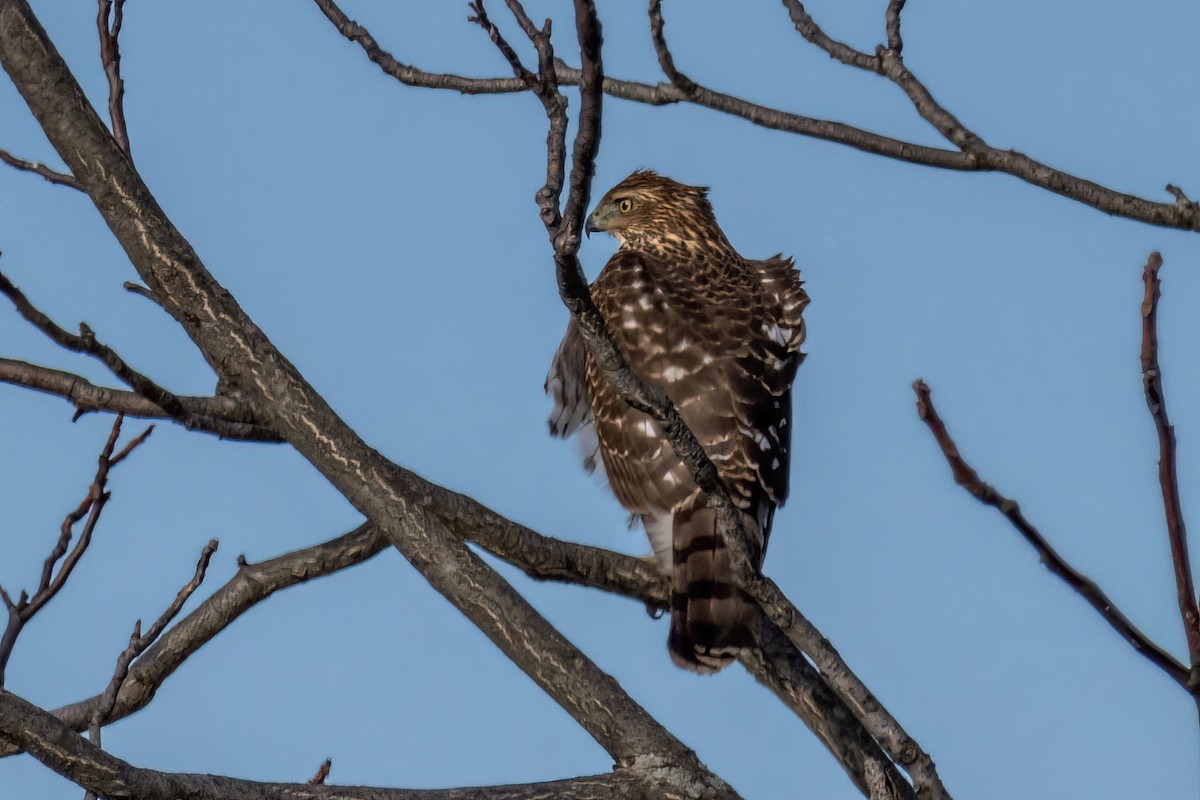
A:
(711, 618)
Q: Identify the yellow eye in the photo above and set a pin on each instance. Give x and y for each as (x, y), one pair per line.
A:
(624, 205)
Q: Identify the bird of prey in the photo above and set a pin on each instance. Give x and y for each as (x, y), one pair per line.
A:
(721, 335)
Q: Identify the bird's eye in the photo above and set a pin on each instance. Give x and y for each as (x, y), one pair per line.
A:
(624, 205)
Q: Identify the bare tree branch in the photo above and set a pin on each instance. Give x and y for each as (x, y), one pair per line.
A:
(1168, 478)
(38, 168)
(375, 486)
(23, 609)
(108, 22)
(73, 757)
(967, 478)
(171, 405)
(1185, 215)
(225, 417)
(648, 398)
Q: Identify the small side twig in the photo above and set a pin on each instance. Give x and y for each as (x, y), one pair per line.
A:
(138, 644)
(666, 61)
(23, 609)
(37, 168)
(108, 22)
(322, 773)
(967, 478)
(1167, 476)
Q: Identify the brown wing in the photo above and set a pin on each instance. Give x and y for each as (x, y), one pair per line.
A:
(566, 383)
(722, 339)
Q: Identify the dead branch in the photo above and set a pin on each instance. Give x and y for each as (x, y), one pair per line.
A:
(1168, 478)
(23, 609)
(967, 478)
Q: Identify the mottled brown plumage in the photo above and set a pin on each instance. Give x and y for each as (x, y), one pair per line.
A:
(720, 334)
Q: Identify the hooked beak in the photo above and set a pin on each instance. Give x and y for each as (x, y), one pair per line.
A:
(591, 228)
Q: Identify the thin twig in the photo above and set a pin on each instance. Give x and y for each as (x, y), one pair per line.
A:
(110, 56)
(139, 642)
(37, 168)
(51, 582)
(1167, 476)
(967, 478)
(666, 61)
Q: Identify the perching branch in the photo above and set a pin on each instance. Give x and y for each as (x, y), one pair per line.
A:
(37, 168)
(23, 609)
(1168, 479)
(648, 398)
(967, 478)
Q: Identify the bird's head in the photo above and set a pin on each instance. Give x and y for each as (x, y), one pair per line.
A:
(647, 208)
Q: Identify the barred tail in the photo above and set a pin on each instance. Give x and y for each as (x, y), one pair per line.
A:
(711, 618)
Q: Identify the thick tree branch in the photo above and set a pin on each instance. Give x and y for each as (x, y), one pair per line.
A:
(78, 760)
(1168, 478)
(38, 168)
(225, 417)
(375, 486)
(967, 478)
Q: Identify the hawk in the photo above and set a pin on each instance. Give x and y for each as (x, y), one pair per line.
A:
(721, 335)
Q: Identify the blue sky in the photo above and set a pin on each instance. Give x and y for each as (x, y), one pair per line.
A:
(386, 239)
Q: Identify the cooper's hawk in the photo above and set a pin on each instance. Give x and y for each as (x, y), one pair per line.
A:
(721, 335)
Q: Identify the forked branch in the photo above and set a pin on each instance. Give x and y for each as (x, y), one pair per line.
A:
(55, 574)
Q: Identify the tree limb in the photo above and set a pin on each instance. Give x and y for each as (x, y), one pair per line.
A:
(225, 417)
(78, 760)
(1168, 478)
(85, 342)
(1182, 215)
(967, 478)
(375, 486)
